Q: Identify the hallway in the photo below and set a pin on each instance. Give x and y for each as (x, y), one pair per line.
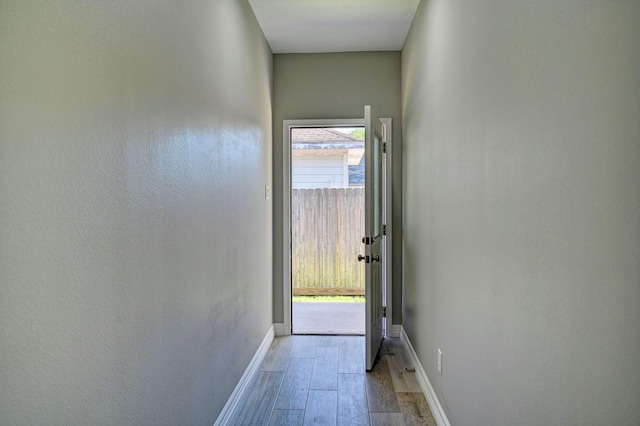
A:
(321, 380)
(143, 166)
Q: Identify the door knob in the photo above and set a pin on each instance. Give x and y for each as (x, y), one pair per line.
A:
(375, 258)
(361, 258)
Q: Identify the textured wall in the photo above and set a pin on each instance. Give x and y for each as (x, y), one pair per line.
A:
(335, 85)
(522, 208)
(135, 240)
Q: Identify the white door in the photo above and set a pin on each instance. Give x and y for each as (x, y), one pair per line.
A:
(373, 235)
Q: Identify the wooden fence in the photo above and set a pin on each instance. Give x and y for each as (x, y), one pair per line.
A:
(327, 226)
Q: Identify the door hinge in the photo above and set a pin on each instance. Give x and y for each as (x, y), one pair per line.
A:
(384, 312)
(384, 147)
(384, 229)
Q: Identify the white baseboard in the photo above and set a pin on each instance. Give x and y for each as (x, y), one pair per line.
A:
(279, 329)
(434, 404)
(231, 406)
(394, 330)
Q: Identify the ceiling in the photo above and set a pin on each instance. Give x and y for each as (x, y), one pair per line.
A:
(314, 26)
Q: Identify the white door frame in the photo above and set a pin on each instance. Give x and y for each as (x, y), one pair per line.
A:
(387, 216)
(286, 209)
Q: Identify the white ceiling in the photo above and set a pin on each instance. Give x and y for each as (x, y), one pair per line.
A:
(312, 26)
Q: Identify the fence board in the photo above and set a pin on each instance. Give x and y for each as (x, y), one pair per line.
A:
(327, 225)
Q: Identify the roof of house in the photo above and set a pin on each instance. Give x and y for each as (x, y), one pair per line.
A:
(323, 138)
(320, 134)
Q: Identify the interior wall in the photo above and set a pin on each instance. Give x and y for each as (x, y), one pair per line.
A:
(135, 249)
(522, 206)
(335, 85)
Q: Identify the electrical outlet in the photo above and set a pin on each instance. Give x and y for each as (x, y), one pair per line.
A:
(439, 361)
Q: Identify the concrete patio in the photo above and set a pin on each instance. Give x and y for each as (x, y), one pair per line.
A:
(328, 318)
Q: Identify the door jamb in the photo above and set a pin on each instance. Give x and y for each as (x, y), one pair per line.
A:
(387, 221)
(287, 125)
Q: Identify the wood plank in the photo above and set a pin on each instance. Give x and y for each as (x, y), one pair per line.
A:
(305, 347)
(260, 399)
(352, 401)
(386, 419)
(278, 355)
(325, 369)
(403, 381)
(322, 407)
(328, 291)
(403, 359)
(295, 385)
(381, 396)
(415, 409)
(287, 418)
(351, 356)
(393, 345)
(392, 342)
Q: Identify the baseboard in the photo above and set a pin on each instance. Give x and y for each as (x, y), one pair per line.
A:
(434, 404)
(231, 406)
(394, 330)
(279, 329)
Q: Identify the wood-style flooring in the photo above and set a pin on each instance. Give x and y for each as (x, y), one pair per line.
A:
(321, 380)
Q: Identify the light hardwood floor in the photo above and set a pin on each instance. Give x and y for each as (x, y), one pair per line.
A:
(321, 380)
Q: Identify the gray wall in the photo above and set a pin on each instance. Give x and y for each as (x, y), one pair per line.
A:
(335, 85)
(522, 208)
(135, 143)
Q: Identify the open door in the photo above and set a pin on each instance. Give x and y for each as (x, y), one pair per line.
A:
(373, 235)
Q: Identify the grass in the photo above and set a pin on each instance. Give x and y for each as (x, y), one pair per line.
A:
(329, 299)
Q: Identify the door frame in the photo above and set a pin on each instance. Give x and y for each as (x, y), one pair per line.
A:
(287, 125)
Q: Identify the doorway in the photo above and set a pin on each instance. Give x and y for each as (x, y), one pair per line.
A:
(348, 125)
(327, 223)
